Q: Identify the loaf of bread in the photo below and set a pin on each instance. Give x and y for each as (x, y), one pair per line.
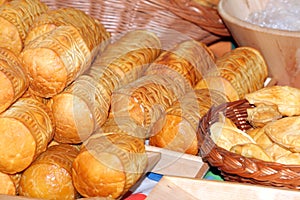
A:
(86, 102)
(13, 79)
(16, 17)
(143, 101)
(176, 129)
(190, 59)
(26, 128)
(108, 165)
(66, 51)
(49, 176)
(238, 72)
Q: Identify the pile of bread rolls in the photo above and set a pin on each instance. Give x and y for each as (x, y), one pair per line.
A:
(76, 109)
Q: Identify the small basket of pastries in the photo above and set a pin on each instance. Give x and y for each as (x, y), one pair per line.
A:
(254, 137)
(85, 85)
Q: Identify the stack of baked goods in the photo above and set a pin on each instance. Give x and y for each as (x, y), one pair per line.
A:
(77, 108)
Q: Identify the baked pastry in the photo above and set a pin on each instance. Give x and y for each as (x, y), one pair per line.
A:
(262, 114)
(85, 103)
(108, 165)
(143, 101)
(67, 44)
(251, 150)
(286, 98)
(49, 176)
(289, 159)
(16, 16)
(26, 128)
(240, 71)
(190, 59)
(13, 79)
(285, 132)
(227, 136)
(176, 129)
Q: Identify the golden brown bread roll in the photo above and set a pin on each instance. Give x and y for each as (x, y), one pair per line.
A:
(238, 72)
(143, 101)
(92, 32)
(190, 59)
(16, 16)
(9, 183)
(26, 128)
(85, 103)
(108, 165)
(176, 129)
(67, 48)
(49, 176)
(13, 79)
(286, 98)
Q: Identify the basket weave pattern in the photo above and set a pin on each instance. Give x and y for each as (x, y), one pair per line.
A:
(235, 167)
(158, 16)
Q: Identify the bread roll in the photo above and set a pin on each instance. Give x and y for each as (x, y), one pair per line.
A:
(238, 72)
(86, 102)
(190, 59)
(9, 183)
(16, 16)
(286, 98)
(143, 101)
(26, 128)
(176, 129)
(108, 165)
(66, 48)
(93, 33)
(13, 79)
(49, 176)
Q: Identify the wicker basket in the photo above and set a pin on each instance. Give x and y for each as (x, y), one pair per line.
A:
(158, 16)
(235, 167)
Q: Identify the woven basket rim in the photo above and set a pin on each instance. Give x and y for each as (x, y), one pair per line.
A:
(238, 168)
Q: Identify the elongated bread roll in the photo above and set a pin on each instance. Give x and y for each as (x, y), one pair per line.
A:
(86, 102)
(16, 16)
(176, 129)
(92, 32)
(49, 176)
(239, 72)
(108, 165)
(190, 59)
(143, 101)
(26, 128)
(13, 79)
(66, 48)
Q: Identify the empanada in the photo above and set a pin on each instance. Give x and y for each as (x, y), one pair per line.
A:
(285, 132)
(286, 98)
(251, 150)
(227, 136)
(262, 114)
